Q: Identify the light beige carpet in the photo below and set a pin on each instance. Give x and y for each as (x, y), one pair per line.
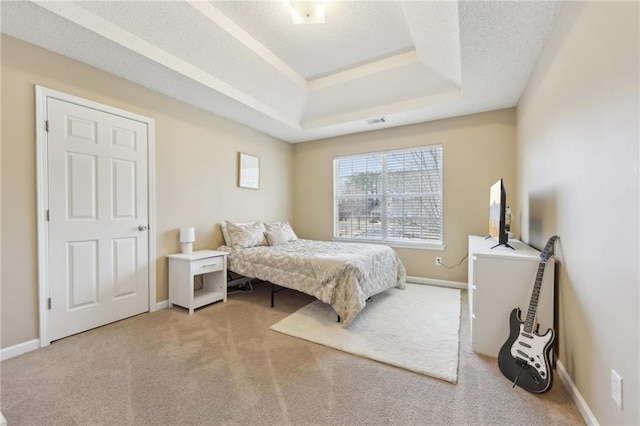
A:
(415, 329)
(223, 366)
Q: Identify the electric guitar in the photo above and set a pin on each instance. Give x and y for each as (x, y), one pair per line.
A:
(524, 357)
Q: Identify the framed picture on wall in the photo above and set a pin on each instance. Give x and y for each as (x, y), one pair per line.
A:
(248, 171)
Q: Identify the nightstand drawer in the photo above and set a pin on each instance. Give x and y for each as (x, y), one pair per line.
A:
(204, 266)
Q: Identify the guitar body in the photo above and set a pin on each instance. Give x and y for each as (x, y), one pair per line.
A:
(524, 357)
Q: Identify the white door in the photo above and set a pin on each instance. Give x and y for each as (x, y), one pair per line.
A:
(98, 217)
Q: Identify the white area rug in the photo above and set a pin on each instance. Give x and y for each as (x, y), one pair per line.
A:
(416, 329)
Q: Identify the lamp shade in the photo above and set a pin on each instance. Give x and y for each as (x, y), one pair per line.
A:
(187, 235)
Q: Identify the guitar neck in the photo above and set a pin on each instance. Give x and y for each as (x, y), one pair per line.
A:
(535, 295)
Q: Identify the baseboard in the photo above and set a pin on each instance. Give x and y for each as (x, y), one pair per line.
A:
(584, 409)
(162, 305)
(439, 283)
(19, 349)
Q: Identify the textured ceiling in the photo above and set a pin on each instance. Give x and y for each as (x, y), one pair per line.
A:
(407, 61)
(354, 34)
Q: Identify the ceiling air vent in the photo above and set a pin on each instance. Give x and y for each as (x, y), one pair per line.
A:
(377, 120)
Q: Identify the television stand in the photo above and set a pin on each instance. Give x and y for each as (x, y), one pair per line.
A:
(503, 244)
(498, 281)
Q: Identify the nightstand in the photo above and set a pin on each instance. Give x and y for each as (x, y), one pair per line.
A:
(184, 267)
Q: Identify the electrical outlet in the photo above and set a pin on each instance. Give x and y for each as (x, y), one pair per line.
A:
(616, 388)
(438, 261)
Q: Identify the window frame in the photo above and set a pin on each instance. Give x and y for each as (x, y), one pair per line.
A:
(414, 244)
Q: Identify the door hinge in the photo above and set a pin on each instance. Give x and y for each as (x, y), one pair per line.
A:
(48, 216)
(49, 303)
(46, 125)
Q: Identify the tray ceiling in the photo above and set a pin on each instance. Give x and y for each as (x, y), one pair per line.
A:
(409, 62)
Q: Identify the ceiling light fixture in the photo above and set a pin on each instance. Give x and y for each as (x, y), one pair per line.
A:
(307, 12)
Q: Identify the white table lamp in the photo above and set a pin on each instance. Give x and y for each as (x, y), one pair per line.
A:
(187, 237)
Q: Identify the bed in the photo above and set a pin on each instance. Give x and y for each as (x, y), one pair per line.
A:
(343, 275)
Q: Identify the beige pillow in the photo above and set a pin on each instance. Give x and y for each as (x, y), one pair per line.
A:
(284, 227)
(277, 237)
(225, 233)
(246, 235)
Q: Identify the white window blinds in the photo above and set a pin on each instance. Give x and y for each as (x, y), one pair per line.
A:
(390, 196)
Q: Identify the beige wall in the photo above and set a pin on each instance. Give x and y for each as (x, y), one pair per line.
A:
(196, 166)
(477, 151)
(578, 173)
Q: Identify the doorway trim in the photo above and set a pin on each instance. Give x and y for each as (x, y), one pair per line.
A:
(42, 183)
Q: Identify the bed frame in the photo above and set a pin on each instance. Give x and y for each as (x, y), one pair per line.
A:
(274, 291)
(234, 279)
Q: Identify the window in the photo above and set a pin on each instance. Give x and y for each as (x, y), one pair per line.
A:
(389, 196)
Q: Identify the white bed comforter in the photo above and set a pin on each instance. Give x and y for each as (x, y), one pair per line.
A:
(342, 275)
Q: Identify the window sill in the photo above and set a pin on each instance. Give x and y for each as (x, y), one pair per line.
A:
(395, 244)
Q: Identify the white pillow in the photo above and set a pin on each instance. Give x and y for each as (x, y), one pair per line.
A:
(284, 227)
(225, 233)
(277, 237)
(244, 236)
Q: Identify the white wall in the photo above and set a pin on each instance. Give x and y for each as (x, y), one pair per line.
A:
(578, 178)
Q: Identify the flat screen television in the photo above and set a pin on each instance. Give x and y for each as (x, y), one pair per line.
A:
(497, 214)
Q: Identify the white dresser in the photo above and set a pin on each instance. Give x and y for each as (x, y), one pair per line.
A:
(500, 280)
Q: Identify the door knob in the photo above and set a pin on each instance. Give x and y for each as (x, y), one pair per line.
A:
(142, 227)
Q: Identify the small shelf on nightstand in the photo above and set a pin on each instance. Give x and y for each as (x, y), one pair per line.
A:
(204, 296)
(184, 267)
